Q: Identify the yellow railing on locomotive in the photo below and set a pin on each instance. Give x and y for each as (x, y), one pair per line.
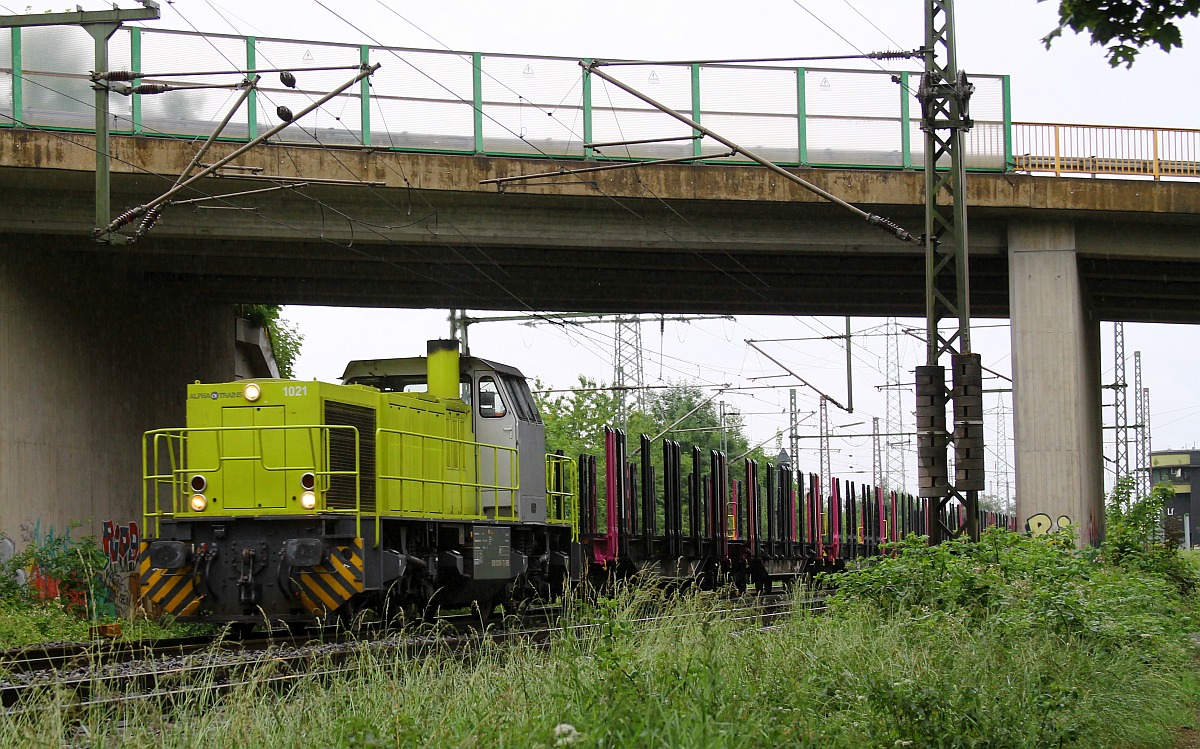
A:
(167, 468)
(450, 487)
(562, 493)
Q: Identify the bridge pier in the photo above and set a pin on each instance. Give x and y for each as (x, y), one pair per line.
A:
(1056, 383)
(91, 356)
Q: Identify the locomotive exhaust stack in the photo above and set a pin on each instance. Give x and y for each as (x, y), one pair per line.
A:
(442, 367)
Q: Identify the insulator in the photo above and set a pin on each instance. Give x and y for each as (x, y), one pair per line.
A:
(149, 220)
(287, 79)
(891, 227)
(892, 55)
(119, 75)
(124, 219)
(284, 113)
(151, 88)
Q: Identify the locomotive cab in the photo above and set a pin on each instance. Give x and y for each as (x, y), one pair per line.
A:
(503, 414)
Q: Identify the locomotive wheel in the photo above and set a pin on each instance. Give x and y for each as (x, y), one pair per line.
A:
(517, 595)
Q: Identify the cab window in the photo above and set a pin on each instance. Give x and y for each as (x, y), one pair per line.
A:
(491, 403)
(522, 399)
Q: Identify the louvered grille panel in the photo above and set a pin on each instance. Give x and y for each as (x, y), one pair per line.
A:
(341, 455)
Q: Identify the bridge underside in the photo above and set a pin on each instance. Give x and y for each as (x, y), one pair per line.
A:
(404, 247)
(110, 324)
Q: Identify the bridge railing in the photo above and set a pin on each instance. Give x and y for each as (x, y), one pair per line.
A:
(493, 104)
(499, 104)
(1104, 149)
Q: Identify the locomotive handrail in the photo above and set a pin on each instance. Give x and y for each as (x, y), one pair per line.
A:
(477, 448)
(172, 445)
(561, 502)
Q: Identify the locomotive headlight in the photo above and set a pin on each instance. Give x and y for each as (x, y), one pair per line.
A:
(252, 391)
(308, 500)
(308, 481)
(199, 503)
(198, 483)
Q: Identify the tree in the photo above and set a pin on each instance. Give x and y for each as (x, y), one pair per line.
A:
(575, 420)
(285, 337)
(1124, 26)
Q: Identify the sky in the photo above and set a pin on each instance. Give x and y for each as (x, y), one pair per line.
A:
(1069, 83)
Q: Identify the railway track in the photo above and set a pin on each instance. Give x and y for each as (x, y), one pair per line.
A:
(85, 675)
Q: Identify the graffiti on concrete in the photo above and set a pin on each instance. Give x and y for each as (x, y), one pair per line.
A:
(120, 544)
(1041, 524)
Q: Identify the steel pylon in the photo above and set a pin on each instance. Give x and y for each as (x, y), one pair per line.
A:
(944, 95)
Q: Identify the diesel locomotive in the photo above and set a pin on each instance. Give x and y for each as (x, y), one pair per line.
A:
(424, 482)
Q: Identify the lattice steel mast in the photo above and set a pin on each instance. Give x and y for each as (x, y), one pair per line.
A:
(1120, 405)
(1003, 465)
(944, 95)
(628, 370)
(896, 472)
(1141, 461)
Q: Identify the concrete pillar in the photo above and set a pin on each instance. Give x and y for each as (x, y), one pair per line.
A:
(1056, 383)
(91, 356)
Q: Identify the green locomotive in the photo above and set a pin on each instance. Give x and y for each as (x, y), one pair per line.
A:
(418, 482)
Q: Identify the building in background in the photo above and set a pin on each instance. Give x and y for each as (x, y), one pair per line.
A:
(1176, 467)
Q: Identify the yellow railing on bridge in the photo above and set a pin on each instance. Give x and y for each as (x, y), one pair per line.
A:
(1105, 150)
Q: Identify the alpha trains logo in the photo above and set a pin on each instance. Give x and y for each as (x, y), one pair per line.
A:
(214, 395)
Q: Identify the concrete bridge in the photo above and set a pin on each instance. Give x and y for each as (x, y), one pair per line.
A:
(98, 340)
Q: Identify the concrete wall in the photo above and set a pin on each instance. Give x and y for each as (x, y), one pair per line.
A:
(91, 356)
(1056, 384)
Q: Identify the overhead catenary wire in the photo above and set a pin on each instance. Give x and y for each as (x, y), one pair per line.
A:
(882, 222)
(670, 208)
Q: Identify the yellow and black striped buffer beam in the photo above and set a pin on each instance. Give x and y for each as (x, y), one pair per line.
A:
(170, 592)
(327, 586)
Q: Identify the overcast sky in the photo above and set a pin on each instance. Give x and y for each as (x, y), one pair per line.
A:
(1070, 83)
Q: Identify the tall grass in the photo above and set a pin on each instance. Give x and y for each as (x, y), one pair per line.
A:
(702, 676)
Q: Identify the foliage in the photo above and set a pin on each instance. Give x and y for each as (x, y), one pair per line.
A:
(1022, 585)
(1134, 537)
(1125, 26)
(71, 567)
(575, 420)
(285, 337)
(52, 591)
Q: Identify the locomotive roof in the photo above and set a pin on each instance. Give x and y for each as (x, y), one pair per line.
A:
(416, 365)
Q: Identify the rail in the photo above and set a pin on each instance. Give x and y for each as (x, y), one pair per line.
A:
(166, 467)
(503, 463)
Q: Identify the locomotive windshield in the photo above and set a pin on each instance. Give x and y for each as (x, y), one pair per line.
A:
(522, 398)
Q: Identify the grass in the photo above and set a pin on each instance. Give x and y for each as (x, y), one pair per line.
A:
(701, 678)
(1007, 642)
(32, 622)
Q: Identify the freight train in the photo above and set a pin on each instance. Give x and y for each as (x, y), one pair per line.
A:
(423, 483)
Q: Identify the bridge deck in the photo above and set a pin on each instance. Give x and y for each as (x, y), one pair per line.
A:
(703, 238)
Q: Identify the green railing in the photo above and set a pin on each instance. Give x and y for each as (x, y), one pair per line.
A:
(491, 104)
